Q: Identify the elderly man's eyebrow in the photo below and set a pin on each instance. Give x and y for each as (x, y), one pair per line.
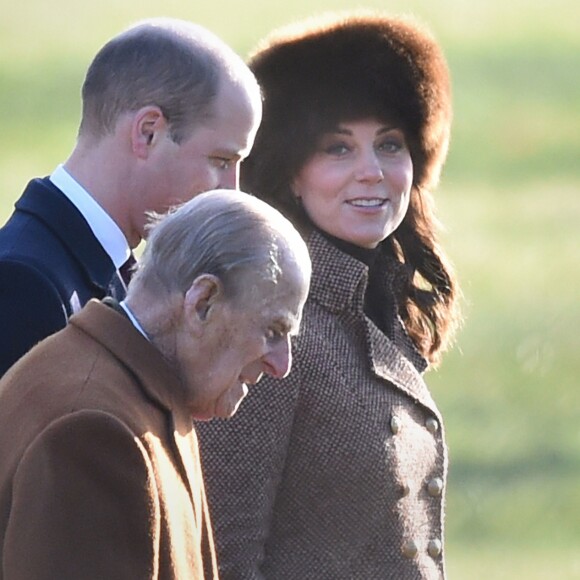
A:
(292, 327)
(284, 326)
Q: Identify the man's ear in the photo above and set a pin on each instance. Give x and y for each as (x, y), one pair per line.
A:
(202, 296)
(148, 125)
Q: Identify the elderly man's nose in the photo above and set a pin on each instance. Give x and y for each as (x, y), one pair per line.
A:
(278, 361)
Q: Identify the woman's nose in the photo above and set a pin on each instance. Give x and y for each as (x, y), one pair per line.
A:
(369, 168)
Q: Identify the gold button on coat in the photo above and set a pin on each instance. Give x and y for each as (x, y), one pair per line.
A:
(432, 425)
(410, 549)
(435, 486)
(395, 425)
(434, 548)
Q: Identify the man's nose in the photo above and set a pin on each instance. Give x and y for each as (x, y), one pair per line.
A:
(231, 177)
(278, 360)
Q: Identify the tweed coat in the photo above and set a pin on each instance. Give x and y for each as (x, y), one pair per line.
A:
(99, 465)
(51, 264)
(338, 471)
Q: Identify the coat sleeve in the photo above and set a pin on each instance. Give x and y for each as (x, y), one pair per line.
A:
(30, 310)
(84, 505)
(243, 459)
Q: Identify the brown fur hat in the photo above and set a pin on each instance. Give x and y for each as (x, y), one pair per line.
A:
(346, 67)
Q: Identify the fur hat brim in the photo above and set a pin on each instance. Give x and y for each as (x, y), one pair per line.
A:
(339, 68)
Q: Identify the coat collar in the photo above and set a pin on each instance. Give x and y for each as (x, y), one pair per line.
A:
(159, 383)
(48, 204)
(335, 292)
(133, 351)
(338, 283)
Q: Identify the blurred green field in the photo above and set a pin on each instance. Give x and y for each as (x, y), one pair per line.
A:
(510, 200)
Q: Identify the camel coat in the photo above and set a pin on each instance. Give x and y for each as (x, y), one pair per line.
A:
(338, 471)
(99, 467)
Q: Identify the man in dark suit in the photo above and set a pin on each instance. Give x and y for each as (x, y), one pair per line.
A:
(100, 474)
(169, 111)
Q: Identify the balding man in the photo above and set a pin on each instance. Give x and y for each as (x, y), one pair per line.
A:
(168, 111)
(99, 467)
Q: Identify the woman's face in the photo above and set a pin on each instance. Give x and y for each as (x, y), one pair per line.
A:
(357, 184)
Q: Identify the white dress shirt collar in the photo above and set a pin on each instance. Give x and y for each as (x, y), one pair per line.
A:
(132, 318)
(102, 225)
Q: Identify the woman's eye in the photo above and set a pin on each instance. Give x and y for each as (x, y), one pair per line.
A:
(337, 149)
(391, 145)
(392, 142)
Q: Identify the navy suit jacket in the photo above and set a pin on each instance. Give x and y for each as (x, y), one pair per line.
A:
(51, 264)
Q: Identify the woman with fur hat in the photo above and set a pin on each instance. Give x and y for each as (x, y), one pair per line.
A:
(338, 471)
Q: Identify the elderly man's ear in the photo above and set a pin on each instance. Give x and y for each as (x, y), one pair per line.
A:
(200, 300)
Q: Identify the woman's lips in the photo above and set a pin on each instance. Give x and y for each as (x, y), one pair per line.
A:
(367, 202)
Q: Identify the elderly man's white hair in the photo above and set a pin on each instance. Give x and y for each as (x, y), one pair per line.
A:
(225, 233)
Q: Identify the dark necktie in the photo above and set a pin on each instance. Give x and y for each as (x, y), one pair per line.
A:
(126, 270)
(118, 284)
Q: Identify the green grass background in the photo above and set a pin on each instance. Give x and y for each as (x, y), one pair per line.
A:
(510, 199)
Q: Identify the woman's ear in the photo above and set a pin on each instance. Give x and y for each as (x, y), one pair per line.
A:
(148, 125)
(295, 188)
(203, 295)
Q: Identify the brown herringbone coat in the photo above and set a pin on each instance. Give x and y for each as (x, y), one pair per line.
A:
(99, 466)
(336, 472)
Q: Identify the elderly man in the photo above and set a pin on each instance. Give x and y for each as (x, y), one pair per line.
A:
(169, 111)
(99, 467)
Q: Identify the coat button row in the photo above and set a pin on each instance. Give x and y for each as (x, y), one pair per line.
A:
(434, 548)
(432, 425)
(435, 487)
(410, 548)
(395, 425)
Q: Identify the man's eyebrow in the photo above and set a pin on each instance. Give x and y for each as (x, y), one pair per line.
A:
(232, 154)
(285, 325)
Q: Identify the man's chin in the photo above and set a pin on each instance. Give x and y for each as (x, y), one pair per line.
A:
(242, 396)
(202, 416)
(218, 413)
(223, 409)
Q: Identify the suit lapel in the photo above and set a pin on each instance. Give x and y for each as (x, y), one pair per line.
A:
(387, 362)
(186, 442)
(187, 456)
(342, 292)
(49, 205)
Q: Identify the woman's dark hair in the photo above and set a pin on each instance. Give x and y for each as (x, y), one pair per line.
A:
(342, 68)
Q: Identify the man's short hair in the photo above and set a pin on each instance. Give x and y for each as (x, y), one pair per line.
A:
(173, 64)
(226, 233)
